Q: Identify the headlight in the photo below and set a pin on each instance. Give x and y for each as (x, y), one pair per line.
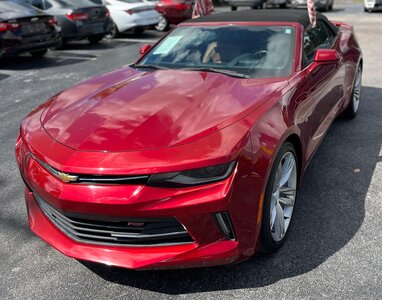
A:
(192, 177)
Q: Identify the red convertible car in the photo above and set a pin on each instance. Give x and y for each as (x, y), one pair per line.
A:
(173, 12)
(193, 155)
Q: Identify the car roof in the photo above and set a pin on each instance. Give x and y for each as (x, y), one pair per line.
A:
(262, 15)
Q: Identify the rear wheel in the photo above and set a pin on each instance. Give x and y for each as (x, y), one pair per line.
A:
(233, 8)
(39, 53)
(279, 199)
(282, 5)
(95, 39)
(352, 108)
(113, 32)
(163, 24)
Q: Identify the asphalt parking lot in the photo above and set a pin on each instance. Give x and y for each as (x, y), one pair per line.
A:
(334, 248)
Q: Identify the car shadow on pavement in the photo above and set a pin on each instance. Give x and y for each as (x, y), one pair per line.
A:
(330, 210)
(102, 45)
(3, 76)
(32, 63)
(68, 55)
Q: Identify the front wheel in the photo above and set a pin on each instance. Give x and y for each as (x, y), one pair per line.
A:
(114, 33)
(163, 24)
(352, 108)
(279, 199)
(233, 8)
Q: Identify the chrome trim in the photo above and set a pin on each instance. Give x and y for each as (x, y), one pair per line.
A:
(115, 234)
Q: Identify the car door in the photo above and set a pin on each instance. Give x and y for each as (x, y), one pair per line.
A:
(325, 81)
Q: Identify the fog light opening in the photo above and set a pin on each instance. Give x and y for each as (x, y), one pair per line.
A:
(225, 225)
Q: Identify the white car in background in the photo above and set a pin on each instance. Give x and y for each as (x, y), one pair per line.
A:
(372, 5)
(130, 15)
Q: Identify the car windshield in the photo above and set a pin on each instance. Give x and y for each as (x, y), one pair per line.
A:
(253, 51)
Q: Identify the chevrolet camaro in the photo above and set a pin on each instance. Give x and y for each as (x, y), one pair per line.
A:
(193, 155)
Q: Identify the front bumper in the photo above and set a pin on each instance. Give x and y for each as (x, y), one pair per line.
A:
(194, 207)
(185, 255)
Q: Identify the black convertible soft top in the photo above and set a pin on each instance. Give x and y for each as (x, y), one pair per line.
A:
(264, 15)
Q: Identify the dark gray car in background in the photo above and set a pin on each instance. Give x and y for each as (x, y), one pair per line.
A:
(25, 29)
(78, 19)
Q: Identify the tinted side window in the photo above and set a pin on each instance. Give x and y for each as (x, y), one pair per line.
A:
(47, 4)
(36, 3)
(318, 37)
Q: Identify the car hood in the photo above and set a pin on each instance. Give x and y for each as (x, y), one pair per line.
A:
(130, 110)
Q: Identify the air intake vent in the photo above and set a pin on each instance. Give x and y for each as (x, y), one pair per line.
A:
(117, 231)
(224, 222)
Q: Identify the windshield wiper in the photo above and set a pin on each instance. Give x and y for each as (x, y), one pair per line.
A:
(220, 71)
(154, 67)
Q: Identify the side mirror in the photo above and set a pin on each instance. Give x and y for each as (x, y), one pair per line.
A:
(326, 56)
(144, 49)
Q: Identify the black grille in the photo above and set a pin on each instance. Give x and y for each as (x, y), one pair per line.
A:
(93, 179)
(112, 231)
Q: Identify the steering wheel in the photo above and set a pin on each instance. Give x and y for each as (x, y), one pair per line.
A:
(259, 54)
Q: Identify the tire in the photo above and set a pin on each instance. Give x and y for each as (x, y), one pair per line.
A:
(114, 33)
(62, 45)
(163, 24)
(352, 108)
(39, 53)
(271, 237)
(282, 5)
(233, 8)
(95, 39)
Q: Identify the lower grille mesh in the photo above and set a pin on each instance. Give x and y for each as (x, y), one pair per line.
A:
(117, 231)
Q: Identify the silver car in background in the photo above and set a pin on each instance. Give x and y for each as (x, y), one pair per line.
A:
(320, 5)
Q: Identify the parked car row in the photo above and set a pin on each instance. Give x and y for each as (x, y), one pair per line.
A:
(321, 5)
(25, 29)
(36, 25)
